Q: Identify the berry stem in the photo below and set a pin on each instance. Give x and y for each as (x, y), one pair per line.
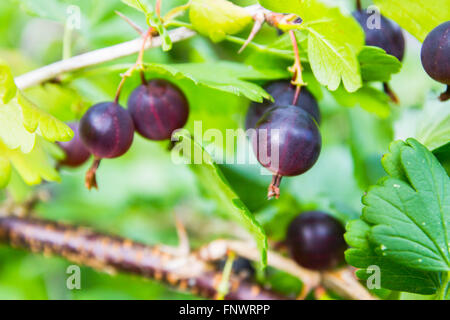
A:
(445, 95)
(358, 5)
(274, 187)
(90, 180)
(138, 64)
(158, 8)
(296, 68)
(130, 22)
(388, 90)
(143, 80)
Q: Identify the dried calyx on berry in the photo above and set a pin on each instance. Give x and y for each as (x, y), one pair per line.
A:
(107, 131)
(316, 240)
(435, 56)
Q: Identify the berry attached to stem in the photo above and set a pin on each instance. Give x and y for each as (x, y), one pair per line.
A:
(435, 56)
(158, 108)
(107, 131)
(287, 142)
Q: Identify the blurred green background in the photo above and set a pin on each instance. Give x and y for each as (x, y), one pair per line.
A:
(141, 191)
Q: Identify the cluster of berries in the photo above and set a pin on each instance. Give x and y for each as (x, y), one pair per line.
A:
(155, 110)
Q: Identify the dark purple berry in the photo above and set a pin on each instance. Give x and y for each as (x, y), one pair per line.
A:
(75, 151)
(436, 55)
(316, 240)
(283, 93)
(295, 139)
(107, 130)
(388, 37)
(158, 108)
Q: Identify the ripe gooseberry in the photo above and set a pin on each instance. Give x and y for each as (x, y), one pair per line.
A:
(158, 108)
(287, 141)
(283, 93)
(387, 36)
(75, 151)
(435, 56)
(316, 240)
(107, 131)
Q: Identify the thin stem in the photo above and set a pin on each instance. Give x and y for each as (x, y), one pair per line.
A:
(67, 42)
(143, 79)
(259, 21)
(138, 64)
(158, 8)
(297, 79)
(175, 12)
(388, 90)
(130, 22)
(358, 5)
(224, 285)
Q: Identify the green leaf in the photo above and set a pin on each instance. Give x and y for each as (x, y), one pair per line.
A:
(217, 187)
(225, 76)
(393, 276)
(5, 171)
(334, 42)
(377, 65)
(418, 17)
(285, 6)
(33, 166)
(410, 209)
(47, 9)
(12, 132)
(218, 18)
(8, 88)
(368, 98)
(433, 129)
(36, 120)
(152, 20)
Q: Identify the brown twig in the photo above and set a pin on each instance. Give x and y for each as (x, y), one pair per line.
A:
(341, 281)
(115, 254)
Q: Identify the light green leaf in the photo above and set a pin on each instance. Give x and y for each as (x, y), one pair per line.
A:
(368, 98)
(36, 120)
(334, 42)
(431, 125)
(225, 76)
(217, 187)
(434, 127)
(377, 65)
(33, 166)
(47, 9)
(8, 88)
(152, 20)
(393, 276)
(12, 132)
(285, 6)
(410, 216)
(218, 18)
(418, 17)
